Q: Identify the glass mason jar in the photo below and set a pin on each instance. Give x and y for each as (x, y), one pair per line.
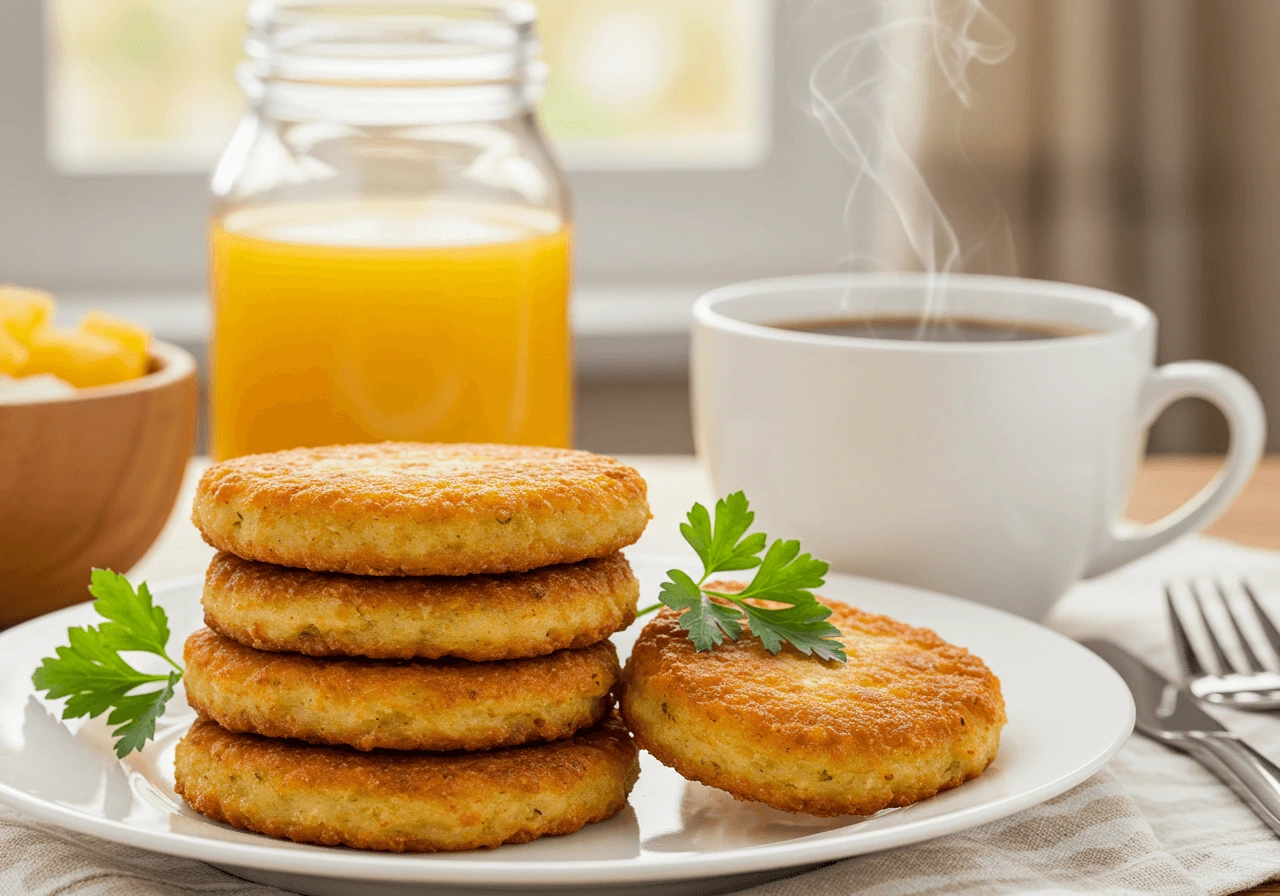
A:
(390, 247)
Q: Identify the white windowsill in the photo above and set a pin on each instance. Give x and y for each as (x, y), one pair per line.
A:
(621, 331)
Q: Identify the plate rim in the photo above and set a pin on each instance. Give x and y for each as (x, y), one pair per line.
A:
(410, 868)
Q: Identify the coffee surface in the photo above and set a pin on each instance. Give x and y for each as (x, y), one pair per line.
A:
(936, 329)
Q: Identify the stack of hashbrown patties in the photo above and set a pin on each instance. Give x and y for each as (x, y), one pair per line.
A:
(407, 644)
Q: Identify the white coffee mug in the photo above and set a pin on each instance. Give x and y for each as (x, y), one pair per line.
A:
(996, 471)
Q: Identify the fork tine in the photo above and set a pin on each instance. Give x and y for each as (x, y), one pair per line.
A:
(1251, 659)
(1264, 618)
(1182, 644)
(1224, 664)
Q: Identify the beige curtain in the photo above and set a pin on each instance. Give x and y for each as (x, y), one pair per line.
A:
(1132, 145)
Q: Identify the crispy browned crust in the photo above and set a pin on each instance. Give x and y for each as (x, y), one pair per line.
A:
(417, 705)
(405, 802)
(907, 716)
(404, 508)
(476, 618)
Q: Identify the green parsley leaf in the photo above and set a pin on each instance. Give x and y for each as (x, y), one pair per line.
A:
(90, 673)
(723, 547)
(784, 576)
(805, 628)
(135, 623)
(139, 713)
(706, 622)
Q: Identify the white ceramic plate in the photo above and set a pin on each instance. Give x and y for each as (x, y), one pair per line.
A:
(1068, 714)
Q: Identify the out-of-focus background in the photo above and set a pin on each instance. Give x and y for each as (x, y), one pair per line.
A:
(1127, 144)
(1134, 145)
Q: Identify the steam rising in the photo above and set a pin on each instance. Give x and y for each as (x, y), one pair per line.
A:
(892, 43)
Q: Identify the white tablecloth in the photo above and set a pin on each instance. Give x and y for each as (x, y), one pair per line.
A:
(1152, 822)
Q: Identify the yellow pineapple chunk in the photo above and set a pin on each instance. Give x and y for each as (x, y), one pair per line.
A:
(23, 311)
(133, 337)
(82, 359)
(13, 354)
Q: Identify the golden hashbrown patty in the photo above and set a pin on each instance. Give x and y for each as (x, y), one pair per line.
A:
(416, 705)
(405, 802)
(907, 716)
(471, 617)
(404, 508)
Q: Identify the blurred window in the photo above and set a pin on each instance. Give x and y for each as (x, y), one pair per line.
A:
(143, 86)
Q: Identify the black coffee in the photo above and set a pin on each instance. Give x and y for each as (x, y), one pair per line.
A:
(936, 329)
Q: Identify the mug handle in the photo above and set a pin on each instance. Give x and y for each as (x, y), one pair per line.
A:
(1232, 394)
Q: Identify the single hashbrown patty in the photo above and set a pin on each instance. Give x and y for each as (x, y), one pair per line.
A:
(405, 508)
(476, 618)
(416, 705)
(907, 716)
(405, 802)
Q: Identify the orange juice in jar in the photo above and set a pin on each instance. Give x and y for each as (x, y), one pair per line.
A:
(390, 255)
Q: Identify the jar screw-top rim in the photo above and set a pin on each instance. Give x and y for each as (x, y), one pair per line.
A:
(404, 42)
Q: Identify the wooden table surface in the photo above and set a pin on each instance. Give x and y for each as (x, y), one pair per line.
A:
(1166, 482)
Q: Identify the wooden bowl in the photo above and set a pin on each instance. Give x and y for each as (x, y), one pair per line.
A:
(89, 481)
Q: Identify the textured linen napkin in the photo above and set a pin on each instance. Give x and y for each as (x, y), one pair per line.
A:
(1152, 822)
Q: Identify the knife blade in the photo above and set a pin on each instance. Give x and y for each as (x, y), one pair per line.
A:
(1170, 714)
(1164, 709)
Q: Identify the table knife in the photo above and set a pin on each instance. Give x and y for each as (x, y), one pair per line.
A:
(1170, 714)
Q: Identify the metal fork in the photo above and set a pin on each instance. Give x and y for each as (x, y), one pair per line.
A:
(1226, 669)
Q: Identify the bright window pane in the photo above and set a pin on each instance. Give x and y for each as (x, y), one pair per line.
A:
(146, 85)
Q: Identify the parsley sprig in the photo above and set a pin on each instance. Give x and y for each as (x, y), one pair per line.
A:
(783, 576)
(92, 675)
